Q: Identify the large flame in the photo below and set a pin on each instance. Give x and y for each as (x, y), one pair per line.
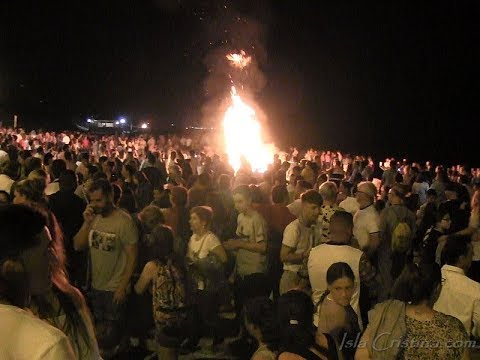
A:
(243, 138)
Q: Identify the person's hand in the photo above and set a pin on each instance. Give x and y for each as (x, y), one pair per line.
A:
(89, 214)
(119, 295)
(232, 244)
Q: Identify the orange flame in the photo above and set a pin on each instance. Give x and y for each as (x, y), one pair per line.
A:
(239, 60)
(243, 138)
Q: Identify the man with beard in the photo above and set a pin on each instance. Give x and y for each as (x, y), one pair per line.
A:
(111, 236)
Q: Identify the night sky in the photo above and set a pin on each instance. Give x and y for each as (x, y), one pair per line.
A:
(390, 78)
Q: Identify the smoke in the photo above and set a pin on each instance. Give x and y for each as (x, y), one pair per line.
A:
(225, 27)
(230, 30)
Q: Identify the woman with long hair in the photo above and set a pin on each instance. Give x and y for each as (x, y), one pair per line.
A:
(261, 324)
(335, 314)
(398, 327)
(55, 299)
(164, 277)
(298, 338)
(177, 217)
(23, 260)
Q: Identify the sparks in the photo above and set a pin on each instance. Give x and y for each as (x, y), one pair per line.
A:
(240, 60)
(243, 138)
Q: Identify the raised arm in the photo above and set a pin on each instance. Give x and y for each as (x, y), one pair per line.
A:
(80, 240)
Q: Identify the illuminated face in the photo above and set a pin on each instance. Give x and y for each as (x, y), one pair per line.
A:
(196, 224)
(100, 203)
(341, 290)
(310, 212)
(242, 204)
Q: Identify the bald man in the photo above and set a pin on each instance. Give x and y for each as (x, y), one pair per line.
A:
(338, 249)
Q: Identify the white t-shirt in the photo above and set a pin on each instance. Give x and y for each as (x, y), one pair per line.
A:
(107, 239)
(202, 245)
(365, 222)
(6, 183)
(295, 207)
(350, 204)
(23, 336)
(298, 237)
(252, 228)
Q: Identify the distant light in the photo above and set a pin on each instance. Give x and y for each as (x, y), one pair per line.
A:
(122, 121)
(172, 124)
(144, 126)
(117, 122)
(89, 120)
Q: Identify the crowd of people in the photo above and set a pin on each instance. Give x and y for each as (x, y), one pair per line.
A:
(109, 241)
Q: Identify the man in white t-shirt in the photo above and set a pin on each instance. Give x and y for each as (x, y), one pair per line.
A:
(339, 249)
(460, 295)
(250, 279)
(366, 222)
(298, 240)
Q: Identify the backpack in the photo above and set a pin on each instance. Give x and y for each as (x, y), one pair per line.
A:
(402, 235)
(169, 295)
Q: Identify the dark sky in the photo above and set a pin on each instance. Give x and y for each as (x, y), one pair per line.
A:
(398, 78)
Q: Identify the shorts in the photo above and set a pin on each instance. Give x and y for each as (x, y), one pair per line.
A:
(170, 336)
(104, 309)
